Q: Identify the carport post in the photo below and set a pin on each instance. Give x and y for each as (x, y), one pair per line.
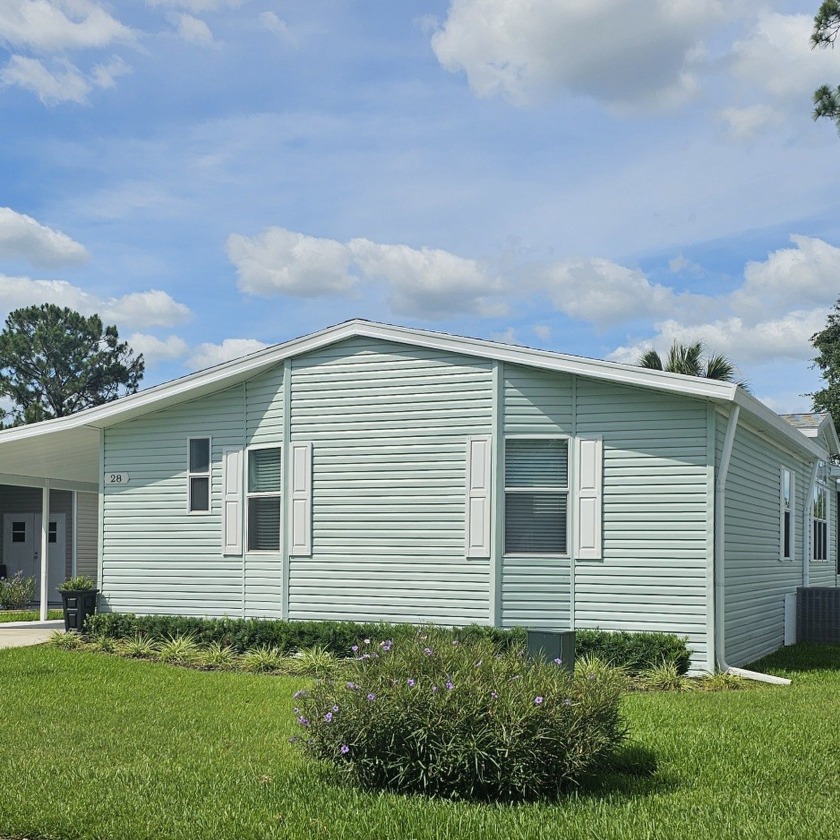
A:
(45, 547)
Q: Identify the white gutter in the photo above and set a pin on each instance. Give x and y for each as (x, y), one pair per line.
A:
(720, 588)
(808, 526)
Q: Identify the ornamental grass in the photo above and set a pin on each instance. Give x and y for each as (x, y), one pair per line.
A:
(462, 720)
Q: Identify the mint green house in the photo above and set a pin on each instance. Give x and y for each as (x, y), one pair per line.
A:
(374, 472)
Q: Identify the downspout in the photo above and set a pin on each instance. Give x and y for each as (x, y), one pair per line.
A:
(720, 565)
(808, 526)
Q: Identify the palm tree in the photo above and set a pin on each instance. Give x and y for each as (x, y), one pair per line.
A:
(688, 359)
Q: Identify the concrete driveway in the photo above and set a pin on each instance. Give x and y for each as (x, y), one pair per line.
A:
(23, 633)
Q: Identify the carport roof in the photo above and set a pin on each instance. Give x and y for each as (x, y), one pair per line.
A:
(65, 451)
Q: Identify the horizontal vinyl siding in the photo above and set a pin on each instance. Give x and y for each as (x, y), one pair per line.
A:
(87, 538)
(158, 558)
(756, 579)
(389, 426)
(653, 574)
(535, 591)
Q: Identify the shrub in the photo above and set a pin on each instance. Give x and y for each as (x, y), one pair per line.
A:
(461, 719)
(263, 659)
(66, 641)
(635, 652)
(316, 662)
(80, 583)
(723, 681)
(179, 649)
(664, 677)
(216, 655)
(138, 646)
(16, 592)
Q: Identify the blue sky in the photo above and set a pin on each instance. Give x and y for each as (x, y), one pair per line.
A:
(594, 178)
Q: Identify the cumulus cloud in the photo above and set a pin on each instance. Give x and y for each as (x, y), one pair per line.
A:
(197, 6)
(22, 237)
(280, 261)
(140, 309)
(278, 26)
(193, 29)
(157, 350)
(616, 51)
(429, 282)
(206, 355)
(423, 282)
(55, 25)
(64, 83)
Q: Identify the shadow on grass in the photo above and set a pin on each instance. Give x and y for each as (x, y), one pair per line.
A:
(801, 657)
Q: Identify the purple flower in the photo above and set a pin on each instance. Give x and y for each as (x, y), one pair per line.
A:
(450, 685)
(558, 661)
(335, 708)
(371, 697)
(355, 648)
(345, 749)
(538, 701)
(427, 651)
(494, 695)
(328, 717)
(352, 686)
(303, 721)
(296, 710)
(386, 645)
(411, 683)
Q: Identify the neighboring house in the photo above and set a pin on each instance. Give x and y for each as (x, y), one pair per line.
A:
(374, 472)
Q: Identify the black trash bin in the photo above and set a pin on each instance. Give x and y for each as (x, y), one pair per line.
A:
(78, 604)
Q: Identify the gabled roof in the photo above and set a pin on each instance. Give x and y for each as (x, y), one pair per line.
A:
(816, 425)
(240, 370)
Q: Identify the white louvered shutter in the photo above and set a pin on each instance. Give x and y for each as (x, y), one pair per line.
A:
(478, 496)
(232, 501)
(301, 500)
(589, 482)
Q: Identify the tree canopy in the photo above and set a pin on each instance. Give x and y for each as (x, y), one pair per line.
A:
(826, 28)
(688, 359)
(827, 344)
(54, 362)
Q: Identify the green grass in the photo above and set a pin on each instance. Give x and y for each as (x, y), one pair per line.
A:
(28, 615)
(96, 746)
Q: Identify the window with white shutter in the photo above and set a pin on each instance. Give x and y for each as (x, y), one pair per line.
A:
(265, 482)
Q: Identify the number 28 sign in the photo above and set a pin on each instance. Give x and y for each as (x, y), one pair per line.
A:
(114, 479)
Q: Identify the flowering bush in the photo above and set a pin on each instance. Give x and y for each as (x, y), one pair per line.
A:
(16, 592)
(460, 719)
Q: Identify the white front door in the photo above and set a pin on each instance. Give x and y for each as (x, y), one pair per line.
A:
(22, 549)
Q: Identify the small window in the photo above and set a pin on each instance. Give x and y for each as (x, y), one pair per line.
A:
(199, 475)
(52, 534)
(786, 503)
(19, 532)
(536, 496)
(264, 488)
(819, 549)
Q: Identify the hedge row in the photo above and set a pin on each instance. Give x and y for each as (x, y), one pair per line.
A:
(633, 651)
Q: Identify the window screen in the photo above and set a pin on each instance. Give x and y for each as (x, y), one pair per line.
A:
(199, 475)
(265, 481)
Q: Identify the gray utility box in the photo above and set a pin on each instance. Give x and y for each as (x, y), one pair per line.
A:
(551, 645)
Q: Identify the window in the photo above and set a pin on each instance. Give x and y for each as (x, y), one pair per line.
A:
(819, 549)
(264, 487)
(786, 505)
(199, 475)
(19, 532)
(52, 534)
(536, 495)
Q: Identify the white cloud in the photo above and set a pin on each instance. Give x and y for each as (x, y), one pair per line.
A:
(139, 309)
(54, 25)
(422, 282)
(429, 282)
(278, 26)
(64, 84)
(616, 51)
(197, 5)
(193, 29)
(744, 123)
(542, 332)
(280, 261)
(682, 265)
(22, 237)
(157, 350)
(206, 355)
(603, 292)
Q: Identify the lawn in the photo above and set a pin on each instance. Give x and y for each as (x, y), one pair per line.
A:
(7, 616)
(100, 747)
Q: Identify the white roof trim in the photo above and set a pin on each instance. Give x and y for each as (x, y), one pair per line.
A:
(239, 370)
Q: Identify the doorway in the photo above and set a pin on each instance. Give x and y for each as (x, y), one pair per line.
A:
(22, 549)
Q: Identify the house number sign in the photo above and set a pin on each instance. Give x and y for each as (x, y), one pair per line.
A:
(115, 478)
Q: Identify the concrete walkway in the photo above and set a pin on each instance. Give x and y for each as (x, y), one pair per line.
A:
(23, 633)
